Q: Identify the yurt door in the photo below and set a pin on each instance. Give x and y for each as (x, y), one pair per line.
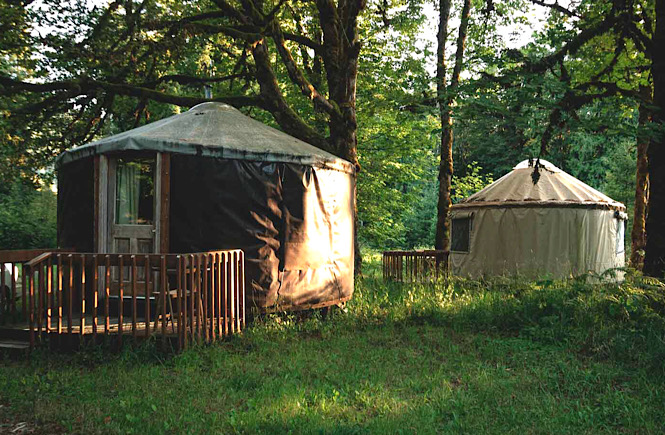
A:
(133, 221)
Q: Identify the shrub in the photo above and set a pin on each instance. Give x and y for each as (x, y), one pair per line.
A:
(27, 218)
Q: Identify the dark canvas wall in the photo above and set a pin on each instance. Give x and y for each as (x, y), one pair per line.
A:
(76, 205)
(294, 222)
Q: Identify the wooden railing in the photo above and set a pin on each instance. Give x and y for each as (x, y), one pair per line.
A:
(186, 298)
(12, 286)
(414, 266)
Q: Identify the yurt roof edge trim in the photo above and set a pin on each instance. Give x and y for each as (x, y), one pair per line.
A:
(541, 204)
(90, 150)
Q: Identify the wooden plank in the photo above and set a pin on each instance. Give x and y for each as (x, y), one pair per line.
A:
(184, 300)
(225, 292)
(49, 292)
(179, 286)
(25, 255)
(191, 294)
(147, 272)
(40, 300)
(214, 322)
(121, 289)
(60, 302)
(82, 282)
(24, 291)
(232, 293)
(163, 293)
(199, 302)
(236, 264)
(95, 296)
(107, 294)
(134, 301)
(204, 295)
(70, 299)
(242, 286)
(31, 292)
(219, 290)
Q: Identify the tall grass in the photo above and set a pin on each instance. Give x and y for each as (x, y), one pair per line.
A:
(623, 321)
(493, 356)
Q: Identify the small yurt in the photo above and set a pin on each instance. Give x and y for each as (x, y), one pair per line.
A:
(209, 179)
(536, 221)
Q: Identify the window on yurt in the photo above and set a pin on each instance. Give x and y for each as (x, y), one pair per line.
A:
(461, 232)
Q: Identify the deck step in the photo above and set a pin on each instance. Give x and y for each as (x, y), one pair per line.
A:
(14, 345)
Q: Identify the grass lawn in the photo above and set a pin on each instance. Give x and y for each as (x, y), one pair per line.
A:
(506, 356)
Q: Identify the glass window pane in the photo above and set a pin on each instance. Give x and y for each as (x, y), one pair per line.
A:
(135, 191)
(460, 230)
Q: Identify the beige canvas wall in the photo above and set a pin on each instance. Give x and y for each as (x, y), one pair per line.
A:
(538, 242)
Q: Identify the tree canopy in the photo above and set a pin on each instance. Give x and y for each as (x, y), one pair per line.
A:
(361, 79)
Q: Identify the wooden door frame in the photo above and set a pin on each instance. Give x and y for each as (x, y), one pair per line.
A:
(103, 213)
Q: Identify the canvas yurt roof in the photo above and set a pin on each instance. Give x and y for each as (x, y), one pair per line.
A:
(554, 187)
(215, 130)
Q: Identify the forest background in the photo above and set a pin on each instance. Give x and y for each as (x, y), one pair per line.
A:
(581, 112)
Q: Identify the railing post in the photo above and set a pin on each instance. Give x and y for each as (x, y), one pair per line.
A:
(204, 295)
(95, 295)
(242, 285)
(82, 316)
(24, 290)
(164, 290)
(49, 292)
(225, 292)
(179, 289)
(31, 311)
(213, 297)
(192, 270)
(134, 300)
(121, 296)
(107, 295)
(60, 303)
(147, 272)
(199, 304)
(40, 301)
(70, 299)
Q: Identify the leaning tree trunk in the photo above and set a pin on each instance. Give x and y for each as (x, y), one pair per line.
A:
(445, 96)
(654, 260)
(638, 234)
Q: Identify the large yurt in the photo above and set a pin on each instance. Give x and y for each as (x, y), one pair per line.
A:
(209, 179)
(536, 221)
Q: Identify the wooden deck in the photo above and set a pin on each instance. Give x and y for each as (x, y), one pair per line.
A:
(197, 298)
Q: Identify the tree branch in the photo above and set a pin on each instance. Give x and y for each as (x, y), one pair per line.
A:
(275, 103)
(191, 80)
(297, 77)
(85, 86)
(572, 46)
(557, 7)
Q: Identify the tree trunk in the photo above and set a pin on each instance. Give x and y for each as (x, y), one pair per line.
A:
(638, 234)
(341, 47)
(445, 95)
(654, 260)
